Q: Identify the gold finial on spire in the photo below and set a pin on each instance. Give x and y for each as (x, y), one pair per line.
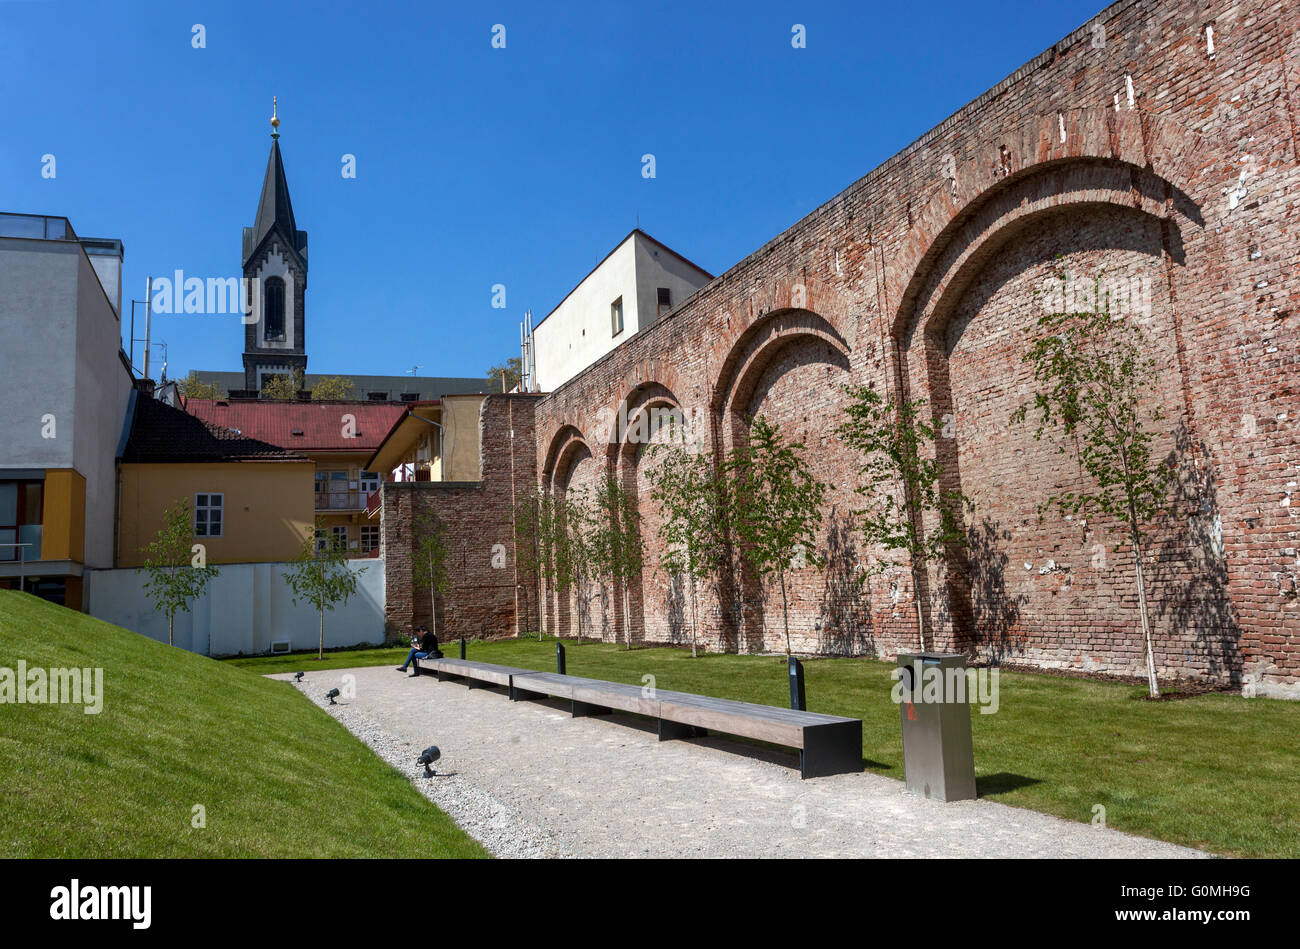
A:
(275, 118)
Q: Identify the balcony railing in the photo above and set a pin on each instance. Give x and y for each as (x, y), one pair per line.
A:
(342, 500)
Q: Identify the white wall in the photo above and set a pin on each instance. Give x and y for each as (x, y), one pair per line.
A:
(578, 331)
(245, 607)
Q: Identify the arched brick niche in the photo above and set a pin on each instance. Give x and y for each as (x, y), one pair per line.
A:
(1052, 590)
(790, 367)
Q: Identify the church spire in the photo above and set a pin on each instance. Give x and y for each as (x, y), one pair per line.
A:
(274, 209)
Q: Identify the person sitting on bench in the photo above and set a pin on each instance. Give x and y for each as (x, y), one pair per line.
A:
(422, 648)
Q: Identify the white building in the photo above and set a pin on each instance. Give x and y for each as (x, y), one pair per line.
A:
(639, 282)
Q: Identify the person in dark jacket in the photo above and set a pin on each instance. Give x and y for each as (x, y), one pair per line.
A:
(423, 645)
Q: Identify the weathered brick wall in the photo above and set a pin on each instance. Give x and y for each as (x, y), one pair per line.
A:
(920, 278)
(481, 598)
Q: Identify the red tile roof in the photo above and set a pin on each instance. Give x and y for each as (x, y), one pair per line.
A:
(321, 424)
(160, 433)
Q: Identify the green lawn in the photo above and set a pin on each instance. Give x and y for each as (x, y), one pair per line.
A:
(1216, 771)
(277, 776)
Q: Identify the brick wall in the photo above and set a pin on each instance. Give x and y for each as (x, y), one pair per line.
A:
(481, 598)
(920, 279)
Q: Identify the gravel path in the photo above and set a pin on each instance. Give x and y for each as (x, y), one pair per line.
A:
(528, 780)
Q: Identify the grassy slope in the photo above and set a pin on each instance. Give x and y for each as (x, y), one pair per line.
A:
(276, 775)
(1215, 771)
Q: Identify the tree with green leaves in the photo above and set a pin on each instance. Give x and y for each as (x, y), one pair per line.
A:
(1097, 401)
(191, 387)
(614, 542)
(572, 533)
(336, 388)
(901, 481)
(511, 370)
(776, 505)
(321, 576)
(282, 386)
(691, 499)
(430, 555)
(177, 567)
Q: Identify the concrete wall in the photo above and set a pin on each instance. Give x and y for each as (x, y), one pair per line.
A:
(245, 608)
(60, 358)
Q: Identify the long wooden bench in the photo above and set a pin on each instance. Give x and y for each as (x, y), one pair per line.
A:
(827, 744)
(470, 671)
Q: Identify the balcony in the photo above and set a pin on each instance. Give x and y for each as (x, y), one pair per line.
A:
(342, 501)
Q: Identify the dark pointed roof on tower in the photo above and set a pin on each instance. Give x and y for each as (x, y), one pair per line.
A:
(274, 210)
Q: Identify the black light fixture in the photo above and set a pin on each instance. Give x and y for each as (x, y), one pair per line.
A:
(428, 757)
(297, 676)
(332, 694)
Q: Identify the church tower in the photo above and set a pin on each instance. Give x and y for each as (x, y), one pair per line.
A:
(275, 267)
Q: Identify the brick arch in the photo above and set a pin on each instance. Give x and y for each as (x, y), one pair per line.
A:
(965, 242)
(751, 354)
(1146, 145)
(566, 445)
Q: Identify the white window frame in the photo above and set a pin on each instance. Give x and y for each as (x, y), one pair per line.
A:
(616, 324)
(208, 508)
(372, 529)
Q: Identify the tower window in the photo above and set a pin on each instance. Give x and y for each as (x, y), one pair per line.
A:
(616, 317)
(273, 324)
(665, 300)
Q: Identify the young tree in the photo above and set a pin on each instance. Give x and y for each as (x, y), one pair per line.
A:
(901, 482)
(690, 495)
(338, 388)
(322, 577)
(429, 557)
(178, 572)
(281, 386)
(571, 530)
(192, 388)
(1094, 373)
(776, 505)
(614, 542)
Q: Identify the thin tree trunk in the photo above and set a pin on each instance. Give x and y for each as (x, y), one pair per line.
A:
(1146, 622)
(695, 619)
(320, 653)
(171, 628)
(920, 613)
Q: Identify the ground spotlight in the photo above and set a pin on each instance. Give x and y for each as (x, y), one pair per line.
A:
(428, 757)
(332, 694)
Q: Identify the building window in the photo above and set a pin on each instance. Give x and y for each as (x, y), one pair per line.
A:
(273, 324)
(377, 396)
(320, 540)
(369, 538)
(616, 317)
(339, 535)
(207, 514)
(410, 396)
(20, 519)
(665, 300)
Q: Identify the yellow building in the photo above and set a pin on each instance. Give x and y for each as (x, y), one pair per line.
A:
(337, 437)
(251, 501)
(436, 440)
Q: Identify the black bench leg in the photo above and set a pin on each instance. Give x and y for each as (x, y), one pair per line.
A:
(583, 709)
(669, 731)
(831, 749)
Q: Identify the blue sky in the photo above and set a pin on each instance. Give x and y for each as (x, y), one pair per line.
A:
(475, 166)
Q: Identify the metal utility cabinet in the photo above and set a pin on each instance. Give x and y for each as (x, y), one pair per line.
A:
(938, 759)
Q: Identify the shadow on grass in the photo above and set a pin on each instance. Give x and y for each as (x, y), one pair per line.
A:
(1002, 782)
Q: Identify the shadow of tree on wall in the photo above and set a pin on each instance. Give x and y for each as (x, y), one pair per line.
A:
(995, 610)
(1190, 573)
(844, 626)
